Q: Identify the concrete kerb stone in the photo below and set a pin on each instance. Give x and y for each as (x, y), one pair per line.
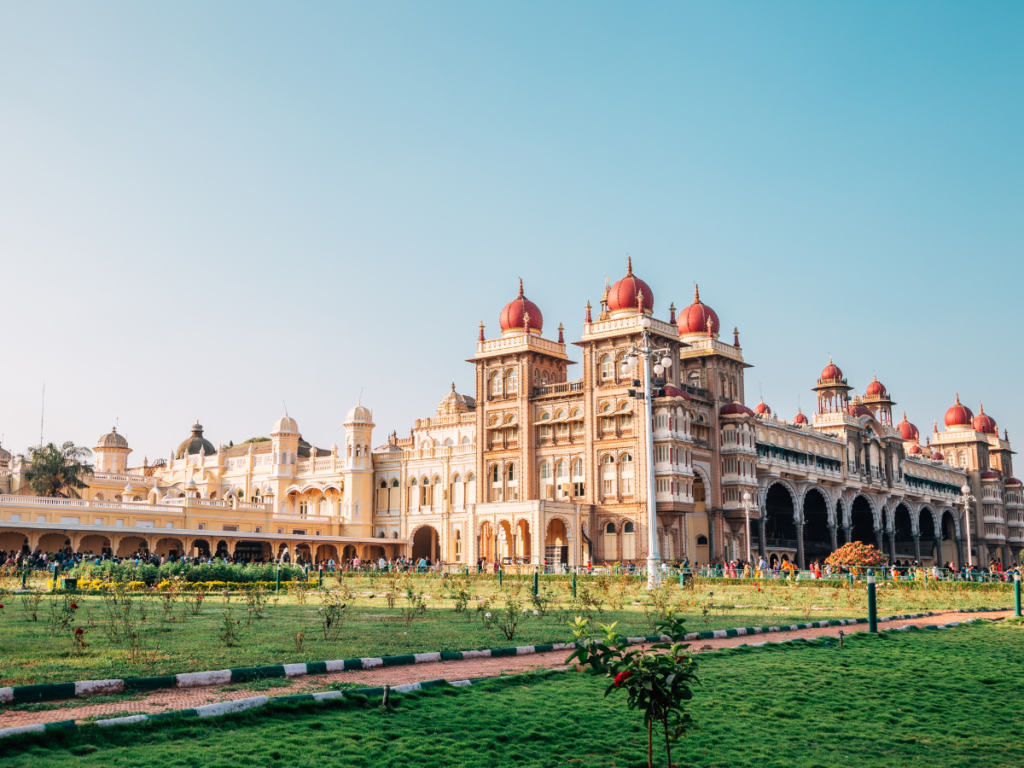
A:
(85, 688)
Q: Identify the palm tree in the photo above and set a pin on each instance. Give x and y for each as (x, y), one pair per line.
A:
(58, 471)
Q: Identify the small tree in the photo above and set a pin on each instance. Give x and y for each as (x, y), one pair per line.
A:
(59, 471)
(657, 680)
(855, 554)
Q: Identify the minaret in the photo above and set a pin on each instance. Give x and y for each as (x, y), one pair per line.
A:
(357, 511)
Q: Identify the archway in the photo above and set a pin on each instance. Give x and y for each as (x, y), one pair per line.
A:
(326, 552)
(700, 557)
(169, 548)
(201, 547)
(485, 546)
(53, 542)
(817, 537)
(348, 553)
(425, 543)
(840, 523)
(222, 550)
(903, 534)
(556, 543)
(94, 544)
(926, 528)
(862, 522)
(780, 530)
(523, 542)
(130, 545)
(14, 542)
(504, 539)
(250, 551)
(949, 547)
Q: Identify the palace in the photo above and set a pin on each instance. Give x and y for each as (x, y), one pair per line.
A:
(540, 468)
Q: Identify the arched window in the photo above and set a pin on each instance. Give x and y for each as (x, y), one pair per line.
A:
(510, 419)
(545, 416)
(457, 479)
(449, 442)
(383, 483)
(496, 384)
(495, 477)
(627, 527)
(627, 458)
(545, 471)
(577, 468)
(511, 473)
(412, 483)
(609, 459)
(609, 528)
(465, 440)
(394, 483)
(560, 469)
(511, 383)
(607, 367)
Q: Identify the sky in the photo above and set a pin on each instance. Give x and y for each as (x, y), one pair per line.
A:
(211, 210)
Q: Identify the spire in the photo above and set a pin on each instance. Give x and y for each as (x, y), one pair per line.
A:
(696, 294)
(520, 287)
(672, 313)
(481, 336)
(561, 336)
(958, 398)
(904, 414)
(587, 320)
(736, 337)
(981, 408)
(629, 265)
(935, 428)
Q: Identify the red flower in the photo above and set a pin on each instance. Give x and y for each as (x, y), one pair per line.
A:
(79, 631)
(74, 606)
(621, 678)
(1, 605)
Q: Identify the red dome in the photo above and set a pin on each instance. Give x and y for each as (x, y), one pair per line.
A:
(762, 408)
(513, 316)
(735, 409)
(800, 418)
(937, 456)
(694, 319)
(990, 475)
(1013, 481)
(907, 430)
(876, 388)
(671, 391)
(622, 295)
(857, 409)
(831, 371)
(959, 415)
(984, 423)
(915, 449)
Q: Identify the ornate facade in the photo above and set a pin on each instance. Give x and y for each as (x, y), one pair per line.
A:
(547, 463)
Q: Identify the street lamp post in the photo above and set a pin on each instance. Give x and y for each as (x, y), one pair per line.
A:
(645, 351)
(967, 500)
(747, 506)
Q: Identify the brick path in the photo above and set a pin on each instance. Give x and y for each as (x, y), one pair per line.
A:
(185, 698)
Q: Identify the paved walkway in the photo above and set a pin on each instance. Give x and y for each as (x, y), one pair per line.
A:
(185, 698)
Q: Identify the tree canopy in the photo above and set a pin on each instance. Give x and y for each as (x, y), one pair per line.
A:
(58, 470)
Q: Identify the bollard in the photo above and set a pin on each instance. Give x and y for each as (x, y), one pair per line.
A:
(872, 615)
(56, 572)
(574, 583)
(1016, 594)
(277, 580)
(499, 576)
(320, 578)
(536, 579)
(24, 578)
(680, 577)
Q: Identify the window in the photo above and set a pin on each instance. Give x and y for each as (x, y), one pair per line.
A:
(560, 470)
(202, 527)
(607, 367)
(495, 384)
(494, 475)
(511, 473)
(545, 416)
(394, 483)
(609, 528)
(577, 468)
(511, 383)
(545, 471)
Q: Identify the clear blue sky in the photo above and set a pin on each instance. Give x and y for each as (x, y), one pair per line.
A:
(206, 208)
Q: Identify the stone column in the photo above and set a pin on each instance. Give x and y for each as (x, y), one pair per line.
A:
(917, 547)
(711, 536)
(892, 544)
(960, 558)
(833, 533)
(938, 551)
(848, 533)
(880, 540)
(760, 538)
(800, 546)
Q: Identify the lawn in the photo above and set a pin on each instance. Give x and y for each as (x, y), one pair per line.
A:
(950, 698)
(176, 641)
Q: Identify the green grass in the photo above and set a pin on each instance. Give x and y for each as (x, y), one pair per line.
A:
(371, 629)
(950, 698)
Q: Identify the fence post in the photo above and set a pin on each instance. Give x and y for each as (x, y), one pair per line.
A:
(574, 583)
(536, 579)
(277, 579)
(24, 577)
(1016, 594)
(872, 615)
(320, 578)
(499, 575)
(56, 572)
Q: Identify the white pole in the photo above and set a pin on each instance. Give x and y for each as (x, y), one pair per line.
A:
(746, 509)
(967, 523)
(653, 577)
